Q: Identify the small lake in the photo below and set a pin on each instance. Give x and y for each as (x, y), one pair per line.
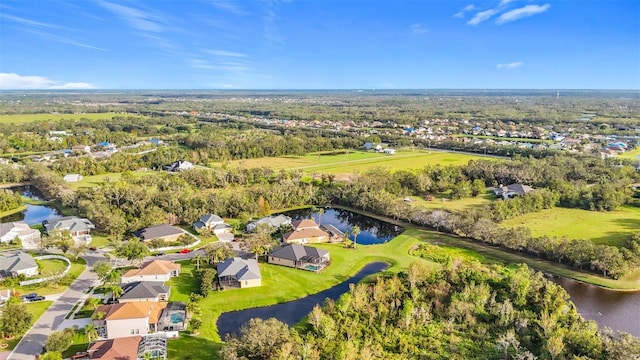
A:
(291, 312)
(618, 310)
(372, 231)
(33, 214)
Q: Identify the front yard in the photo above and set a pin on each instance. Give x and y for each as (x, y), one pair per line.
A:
(36, 309)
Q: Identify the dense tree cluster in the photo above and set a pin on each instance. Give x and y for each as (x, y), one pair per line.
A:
(465, 311)
(9, 200)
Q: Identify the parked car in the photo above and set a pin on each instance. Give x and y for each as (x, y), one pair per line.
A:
(158, 254)
(37, 298)
(184, 251)
(28, 297)
(93, 248)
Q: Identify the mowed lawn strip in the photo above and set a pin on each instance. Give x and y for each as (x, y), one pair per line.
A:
(280, 284)
(601, 227)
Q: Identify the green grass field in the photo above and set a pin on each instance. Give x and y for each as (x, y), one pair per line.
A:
(357, 161)
(26, 118)
(631, 154)
(51, 266)
(602, 227)
(77, 267)
(442, 202)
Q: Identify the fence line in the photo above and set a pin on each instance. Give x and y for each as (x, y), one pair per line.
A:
(45, 257)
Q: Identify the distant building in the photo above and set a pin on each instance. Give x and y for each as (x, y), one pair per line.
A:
(272, 221)
(389, 151)
(72, 178)
(79, 228)
(165, 232)
(305, 231)
(156, 271)
(179, 165)
(512, 190)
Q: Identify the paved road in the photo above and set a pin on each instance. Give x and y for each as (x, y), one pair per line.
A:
(33, 342)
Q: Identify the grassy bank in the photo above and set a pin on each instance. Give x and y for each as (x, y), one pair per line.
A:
(601, 227)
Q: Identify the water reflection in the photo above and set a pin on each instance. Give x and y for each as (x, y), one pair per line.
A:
(616, 309)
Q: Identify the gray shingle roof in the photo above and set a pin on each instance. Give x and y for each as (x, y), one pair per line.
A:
(143, 290)
(71, 223)
(17, 262)
(296, 252)
(240, 269)
(158, 231)
(210, 218)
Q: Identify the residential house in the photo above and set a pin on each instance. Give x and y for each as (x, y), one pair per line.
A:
(127, 319)
(79, 228)
(239, 272)
(272, 221)
(179, 165)
(368, 146)
(305, 231)
(17, 229)
(165, 232)
(300, 256)
(156, 270)
(144, 291)
(130, 348)
(72, 178)
(512, 190)
(81, 148)
(17, 264)
(389, 151)
(124, 348)
(213, 223)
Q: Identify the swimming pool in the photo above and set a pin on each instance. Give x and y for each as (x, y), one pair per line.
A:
(312, 267)
(177, 318)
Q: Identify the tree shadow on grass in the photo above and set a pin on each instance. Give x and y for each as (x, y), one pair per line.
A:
(188, 347)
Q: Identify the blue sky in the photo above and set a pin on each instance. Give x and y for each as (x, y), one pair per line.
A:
(319, 44)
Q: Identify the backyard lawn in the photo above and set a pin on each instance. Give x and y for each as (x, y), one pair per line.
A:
(77, 267)
(602, 227)
(442, 202)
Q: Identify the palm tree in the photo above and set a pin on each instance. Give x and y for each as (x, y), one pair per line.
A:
(91, 331)
(198, 259)
(93, 303)
(116, 291)
(355, 231)
(320, 212)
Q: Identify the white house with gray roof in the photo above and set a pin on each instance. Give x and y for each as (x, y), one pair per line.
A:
(272, 221)
(17, 264)
(213, 223)
(239, 272)
(79, 228)
(17, 229)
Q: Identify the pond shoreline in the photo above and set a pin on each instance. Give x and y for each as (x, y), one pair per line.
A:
(294, 311)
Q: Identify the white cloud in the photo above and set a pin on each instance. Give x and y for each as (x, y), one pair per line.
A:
(135, 18)
(523, 12)
(28, 22)
(504, 2)
(418, 29)
(228, 6)
(227, 53)
(469, 7)
(482, 16)
(13, 81)
(459, 15)
(513, 65)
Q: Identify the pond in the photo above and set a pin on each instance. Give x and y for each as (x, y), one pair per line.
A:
(292, 312)
(616, 309)
(33, 214)
(373, 231)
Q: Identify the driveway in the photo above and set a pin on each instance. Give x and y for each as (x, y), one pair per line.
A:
(33, 341)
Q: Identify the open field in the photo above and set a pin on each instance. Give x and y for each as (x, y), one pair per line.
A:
(631, 154)
(357, 161)
(602, 227)
(442, 202)
(26, 118)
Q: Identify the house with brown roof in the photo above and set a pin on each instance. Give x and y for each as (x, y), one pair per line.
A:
(125, 348)
(127, 319)
(156, 270)
(305, 231)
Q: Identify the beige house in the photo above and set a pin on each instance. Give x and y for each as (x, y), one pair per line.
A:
(299, 256)
(17, 229)
(165, 232)
(156, 270)
(305, 231)
(238, 272)
(127, 319)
